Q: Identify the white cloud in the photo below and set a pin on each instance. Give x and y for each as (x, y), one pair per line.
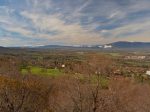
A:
(68, 33)
(129, 32)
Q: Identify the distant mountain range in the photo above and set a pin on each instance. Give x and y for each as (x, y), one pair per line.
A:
(118, 45)
(123, 44)
(3, 48)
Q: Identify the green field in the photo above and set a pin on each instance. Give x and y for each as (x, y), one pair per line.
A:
(40, 71)
(114, 54)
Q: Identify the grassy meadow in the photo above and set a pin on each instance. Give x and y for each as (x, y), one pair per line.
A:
(35, 70)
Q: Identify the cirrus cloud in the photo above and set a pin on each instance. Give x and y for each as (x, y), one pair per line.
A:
(67, 22)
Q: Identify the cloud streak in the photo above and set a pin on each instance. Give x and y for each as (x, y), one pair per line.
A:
(67, 22)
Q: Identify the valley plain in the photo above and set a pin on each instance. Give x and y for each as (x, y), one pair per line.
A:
(74, 80)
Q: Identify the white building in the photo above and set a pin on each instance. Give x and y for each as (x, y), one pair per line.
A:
(148, 73)
(63, 66)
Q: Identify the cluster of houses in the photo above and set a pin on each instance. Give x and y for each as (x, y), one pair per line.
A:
(130, 71)
(135, 57)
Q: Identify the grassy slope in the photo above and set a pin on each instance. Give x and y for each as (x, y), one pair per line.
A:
(41, 71)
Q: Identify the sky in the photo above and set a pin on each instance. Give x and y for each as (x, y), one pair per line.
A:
(73, 22)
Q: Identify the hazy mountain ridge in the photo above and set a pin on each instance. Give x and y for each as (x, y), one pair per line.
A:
(119, 44)
(125, 44)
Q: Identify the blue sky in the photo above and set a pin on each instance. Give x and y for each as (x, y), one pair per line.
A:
(73, 22)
